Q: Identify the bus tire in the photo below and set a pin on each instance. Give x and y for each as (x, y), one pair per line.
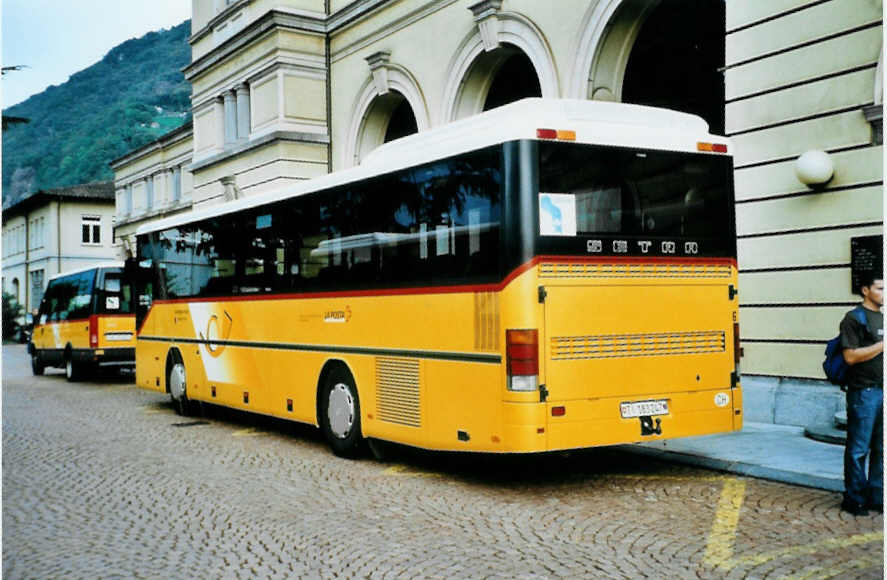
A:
(339, 415)
(177, 384)
(36, 366)
(73, 372)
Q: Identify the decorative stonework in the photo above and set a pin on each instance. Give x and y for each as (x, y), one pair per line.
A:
(471, 67)
(232, 192)
(379, 64)
(874, 114)
(486, 15)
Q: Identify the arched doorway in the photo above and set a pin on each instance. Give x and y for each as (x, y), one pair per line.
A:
(681, 69)
(401, 123)
(388, 117)
(515, 79)
(496, 78)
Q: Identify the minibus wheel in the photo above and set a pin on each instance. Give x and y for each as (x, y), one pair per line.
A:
(340, 414)
(176, 382)
(36, 366)
(72, 369)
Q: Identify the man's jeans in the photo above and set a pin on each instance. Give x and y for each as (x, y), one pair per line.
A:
(864, 435)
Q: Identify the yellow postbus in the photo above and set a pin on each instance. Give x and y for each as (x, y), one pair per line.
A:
(545, 276)
(86, 321)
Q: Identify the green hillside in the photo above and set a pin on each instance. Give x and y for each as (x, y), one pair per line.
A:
(135, 94)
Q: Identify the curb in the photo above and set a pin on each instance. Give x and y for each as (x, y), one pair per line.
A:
(740, 468)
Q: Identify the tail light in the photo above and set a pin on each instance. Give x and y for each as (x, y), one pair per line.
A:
(93, 331)
(559, 134)
(712, 147)
(522, 359)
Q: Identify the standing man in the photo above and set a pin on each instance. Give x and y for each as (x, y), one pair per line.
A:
(863, 350)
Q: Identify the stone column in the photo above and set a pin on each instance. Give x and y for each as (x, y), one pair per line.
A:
(230, 118)
(243, 116)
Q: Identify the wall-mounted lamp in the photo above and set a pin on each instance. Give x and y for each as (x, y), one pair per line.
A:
(814, 168)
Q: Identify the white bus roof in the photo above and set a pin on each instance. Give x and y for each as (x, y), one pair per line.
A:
(86, 269)
(594, 122)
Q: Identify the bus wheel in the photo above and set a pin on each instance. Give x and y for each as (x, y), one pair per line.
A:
(177, 383)
(72, 369)
(340, 414)
(36, 366)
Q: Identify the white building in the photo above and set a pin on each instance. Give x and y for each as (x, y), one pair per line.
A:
(53, 231)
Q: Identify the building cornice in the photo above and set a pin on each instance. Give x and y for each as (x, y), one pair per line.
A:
(216, 20)
(347, 16)
(268, 22)
(317, 138)
(169, 210)
(174, 137)
(354, 12)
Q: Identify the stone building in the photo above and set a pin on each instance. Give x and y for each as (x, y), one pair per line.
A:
(54, 231)
(152, 182)
(285, 90)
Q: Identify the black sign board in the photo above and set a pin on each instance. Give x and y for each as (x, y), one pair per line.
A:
(866, 256)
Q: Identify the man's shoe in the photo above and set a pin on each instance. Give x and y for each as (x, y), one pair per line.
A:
(851, 507)
(876, 507)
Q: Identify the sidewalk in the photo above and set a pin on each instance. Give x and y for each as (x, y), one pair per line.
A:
(776, 452)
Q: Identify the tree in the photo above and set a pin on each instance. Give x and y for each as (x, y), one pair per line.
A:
(12, 311)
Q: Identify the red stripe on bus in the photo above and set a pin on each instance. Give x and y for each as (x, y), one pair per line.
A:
(461, 289)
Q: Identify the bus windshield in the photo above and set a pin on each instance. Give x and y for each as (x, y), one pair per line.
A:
(631, 201)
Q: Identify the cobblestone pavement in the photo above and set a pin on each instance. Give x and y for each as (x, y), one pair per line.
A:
(103, 480)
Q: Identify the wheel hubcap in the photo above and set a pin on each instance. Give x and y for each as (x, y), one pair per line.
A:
(177, 381)
(69, 368)
(341, 411)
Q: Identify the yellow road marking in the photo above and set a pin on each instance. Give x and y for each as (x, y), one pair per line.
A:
(822, 546)
(151, 411)
(719, 548)
(404, 471)
(686, 478)
(821, 573)
(248, 432)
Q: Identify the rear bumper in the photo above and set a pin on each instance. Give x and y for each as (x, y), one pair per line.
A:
(598, 422)
(106, 357)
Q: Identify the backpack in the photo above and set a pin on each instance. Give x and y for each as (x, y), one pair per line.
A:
(834, 365)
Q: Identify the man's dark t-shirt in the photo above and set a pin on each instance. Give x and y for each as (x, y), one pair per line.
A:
(854, 335)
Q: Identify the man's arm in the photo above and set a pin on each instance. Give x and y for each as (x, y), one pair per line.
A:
(859, 355)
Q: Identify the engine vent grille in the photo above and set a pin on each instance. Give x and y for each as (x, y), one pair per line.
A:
(486, 321)
(397, 388)
(634, 345)
(605, 270)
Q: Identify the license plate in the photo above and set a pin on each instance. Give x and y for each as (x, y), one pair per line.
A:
(643, 408)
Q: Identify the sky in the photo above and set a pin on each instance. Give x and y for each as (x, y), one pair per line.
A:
(57, 38)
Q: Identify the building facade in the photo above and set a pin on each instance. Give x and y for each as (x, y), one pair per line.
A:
(801, 76)
(152, 182)
(285, 90)
(53, 231)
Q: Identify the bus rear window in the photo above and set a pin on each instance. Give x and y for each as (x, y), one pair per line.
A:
(115, 296)
(608, 192)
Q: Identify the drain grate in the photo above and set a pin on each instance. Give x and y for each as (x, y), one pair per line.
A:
(190, 424)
